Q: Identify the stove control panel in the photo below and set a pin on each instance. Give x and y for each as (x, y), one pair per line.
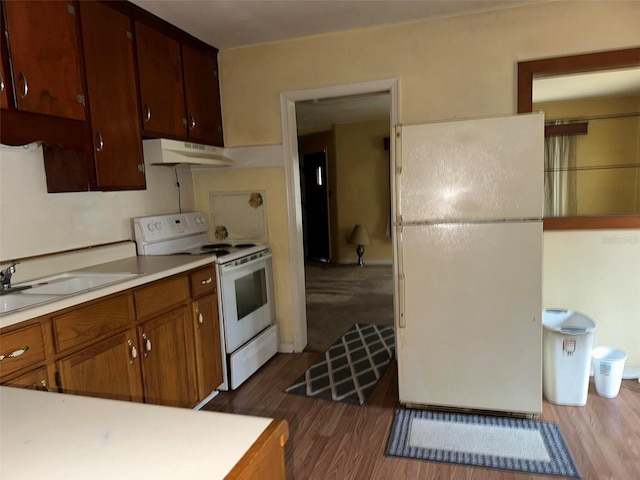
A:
(165, 227)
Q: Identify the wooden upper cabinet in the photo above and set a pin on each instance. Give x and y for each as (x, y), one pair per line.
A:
(202, 93)
(4, 98)
(113, 100)
(4, 79)
(161, 87)
(45, 56)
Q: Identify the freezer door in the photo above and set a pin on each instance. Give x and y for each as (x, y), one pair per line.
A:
(489, 168)
(469, 333)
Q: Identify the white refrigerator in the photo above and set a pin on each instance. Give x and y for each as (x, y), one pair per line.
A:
(468, 201)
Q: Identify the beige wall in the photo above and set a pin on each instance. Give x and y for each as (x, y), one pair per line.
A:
(451, 67)
(33, 222)
(363, 188)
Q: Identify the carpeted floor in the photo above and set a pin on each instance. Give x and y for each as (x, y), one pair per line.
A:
(340, 295)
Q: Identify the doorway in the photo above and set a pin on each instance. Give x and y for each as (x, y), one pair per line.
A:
(314, 184)
(294, 185)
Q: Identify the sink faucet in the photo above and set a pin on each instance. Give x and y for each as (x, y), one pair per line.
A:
(5, 276)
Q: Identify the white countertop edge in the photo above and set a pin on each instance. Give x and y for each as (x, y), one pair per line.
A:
(168, 265)
(55, 436)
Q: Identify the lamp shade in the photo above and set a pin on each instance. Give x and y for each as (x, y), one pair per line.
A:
(359, 236)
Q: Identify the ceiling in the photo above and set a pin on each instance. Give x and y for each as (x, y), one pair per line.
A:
(235, 23)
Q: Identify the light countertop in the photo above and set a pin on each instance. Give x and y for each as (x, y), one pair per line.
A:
(55, 436)
(148, 269)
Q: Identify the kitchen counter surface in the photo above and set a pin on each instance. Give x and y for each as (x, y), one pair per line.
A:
(148, 269)
(56, 436)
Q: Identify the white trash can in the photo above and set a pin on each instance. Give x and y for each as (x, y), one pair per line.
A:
(566, 362)
(608, 365)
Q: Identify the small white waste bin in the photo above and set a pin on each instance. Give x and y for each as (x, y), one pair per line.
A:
(608, 365)
(567, 342)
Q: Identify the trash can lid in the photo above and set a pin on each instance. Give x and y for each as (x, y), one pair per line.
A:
(567, 321)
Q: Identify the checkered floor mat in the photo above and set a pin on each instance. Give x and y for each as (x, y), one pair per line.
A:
(349, 370)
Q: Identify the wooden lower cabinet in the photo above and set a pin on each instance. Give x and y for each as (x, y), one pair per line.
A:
(36, 380)
(167, 359)
(108, 369)
(206, 327)
(158, 343)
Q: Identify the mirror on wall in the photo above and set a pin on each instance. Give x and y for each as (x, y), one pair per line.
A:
(592, 136)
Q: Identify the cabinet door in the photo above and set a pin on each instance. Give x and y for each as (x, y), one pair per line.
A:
(168, 366)
(202, 92)
(207, 344)
(111, 83)
(4, 99)
(4, 63)
(161, 87)
(35, 380)
(109, 369)
(44, 52)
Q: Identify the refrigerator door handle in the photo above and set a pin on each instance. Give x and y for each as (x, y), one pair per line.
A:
(401, 318)
(401, 310)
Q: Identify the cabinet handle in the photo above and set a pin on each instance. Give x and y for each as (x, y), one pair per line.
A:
(2, 86)
(15, 353)
(207, 281)
(25, 85)
(100, 146)
(200, 319)
(147, 113)
(192, 122)
(147, 345)
(133, 350)
(43, 386)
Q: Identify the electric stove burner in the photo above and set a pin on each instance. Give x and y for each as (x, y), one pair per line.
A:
(216, 246)
(222, 252)
(245, 245)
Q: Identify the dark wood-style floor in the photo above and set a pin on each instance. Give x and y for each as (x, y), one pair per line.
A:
(332, 440)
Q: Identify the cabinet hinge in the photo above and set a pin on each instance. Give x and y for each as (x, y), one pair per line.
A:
(80, 98)
(141, 167)
(71, 9)
(129, 35)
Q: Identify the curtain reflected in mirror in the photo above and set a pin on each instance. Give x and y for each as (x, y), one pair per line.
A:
(560, 195)
(597, 170)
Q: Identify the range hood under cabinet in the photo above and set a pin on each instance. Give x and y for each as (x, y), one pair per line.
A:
(162, 151)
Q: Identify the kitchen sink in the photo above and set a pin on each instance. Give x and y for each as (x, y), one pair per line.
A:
(74, 282)
(16, 301)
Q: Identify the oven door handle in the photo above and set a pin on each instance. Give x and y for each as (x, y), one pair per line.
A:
(229, 268)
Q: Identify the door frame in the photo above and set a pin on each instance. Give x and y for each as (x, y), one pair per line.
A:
(292, 183)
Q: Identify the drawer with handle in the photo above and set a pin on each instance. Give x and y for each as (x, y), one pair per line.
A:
(203, 281)
(20, 349)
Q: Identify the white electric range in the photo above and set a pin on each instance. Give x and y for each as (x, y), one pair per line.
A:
(244, 275)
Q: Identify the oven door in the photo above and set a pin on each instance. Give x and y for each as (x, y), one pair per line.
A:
(247, 303)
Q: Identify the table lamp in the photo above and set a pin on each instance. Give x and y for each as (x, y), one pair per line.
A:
(360, 237)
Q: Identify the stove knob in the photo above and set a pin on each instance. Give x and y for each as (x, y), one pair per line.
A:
(151, 227)
(197, 220)
(158, 226)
